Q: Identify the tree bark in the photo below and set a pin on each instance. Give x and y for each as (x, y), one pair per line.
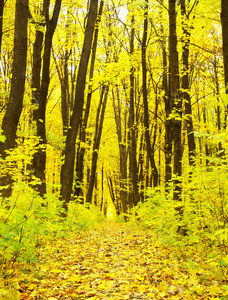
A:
(67, 169)
(168, 110)
(2, 4)
(81, 151)
(121, 135)
(39, 162)
(175, 100)
(66, 72)
(131, 125)
(185, 85)
(215, 64)
(36, 72)
(224, 22)
(14, 106)
(150, 152)
(97, 139)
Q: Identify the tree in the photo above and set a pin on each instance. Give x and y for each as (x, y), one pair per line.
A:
(224, 22)
(133, 169)
(97, 139)
(185, 84)
(150, 152)
(121, 124)
(2, 4)
(84, 123)
(14, 106)
(175, 100)
(39, 162)
(67, 169)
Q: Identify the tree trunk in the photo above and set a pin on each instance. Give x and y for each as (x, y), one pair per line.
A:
(218, 108)
(168, 110)
(141, 168)
(175, 100)
(97, 139)
(81, 150)
(185, 85)
(2, 4)
(39, 162)
(224, 21)
(14, 107)
(67, 169)
(66, 72)
(36, 72)
(65, 93)
(150, 152)
(131, 126)
(121, 135)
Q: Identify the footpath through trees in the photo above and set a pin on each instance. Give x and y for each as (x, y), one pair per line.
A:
(116, 261)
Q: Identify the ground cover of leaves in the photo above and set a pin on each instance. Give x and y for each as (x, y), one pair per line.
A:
(116, 261)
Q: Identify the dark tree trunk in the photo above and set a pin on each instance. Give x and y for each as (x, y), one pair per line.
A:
(150, 151)
(97, 139)
(2, 4)
(168, 106)
(66, 72)
(141, 168)
(224, 21)
(67, 75)
(111, 189)
(81, 150)
(67, 169)
(205, 140)
(175, 100)
(185, 85)
(121, 134)
(36, 72)
(14, 106)
(39, 162)
(168, 110)
(65, 93)
(218, 108)
(131, 126)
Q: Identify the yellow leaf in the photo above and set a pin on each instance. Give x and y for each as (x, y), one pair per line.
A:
(56, 270)
(1, 283)
(151, 295)
(9, 294)
(214, 289)
(218, 274)
(197, 289)
(139, 277)
(74, 278)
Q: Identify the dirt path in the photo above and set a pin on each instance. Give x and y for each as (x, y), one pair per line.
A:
(116, 262)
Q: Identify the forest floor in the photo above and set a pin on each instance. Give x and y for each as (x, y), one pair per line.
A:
(116, 261)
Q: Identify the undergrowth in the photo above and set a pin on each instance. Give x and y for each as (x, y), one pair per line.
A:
(205, 218)
(27, 221)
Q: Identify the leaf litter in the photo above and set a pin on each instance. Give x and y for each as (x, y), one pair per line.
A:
(114, 261)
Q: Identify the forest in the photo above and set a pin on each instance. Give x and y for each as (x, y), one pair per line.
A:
(113, 149)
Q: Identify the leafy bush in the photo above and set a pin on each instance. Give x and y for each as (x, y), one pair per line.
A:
(28, 221)
(83, 217)
(204, 221)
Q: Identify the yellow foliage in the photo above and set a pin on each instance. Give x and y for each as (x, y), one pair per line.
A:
(9, 294)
